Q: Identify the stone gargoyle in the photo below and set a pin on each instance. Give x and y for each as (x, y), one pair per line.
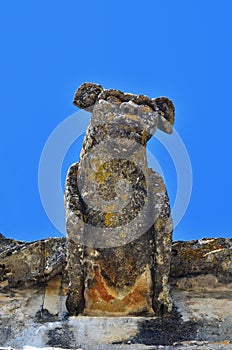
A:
(118, 222)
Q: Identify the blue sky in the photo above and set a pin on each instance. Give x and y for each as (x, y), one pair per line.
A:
(180, 49)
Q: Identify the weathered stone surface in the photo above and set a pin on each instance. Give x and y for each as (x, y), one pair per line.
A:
(119, 229)
(34, 314)
(202, 257)
(23, 264)
(7, 243)
(205, 263)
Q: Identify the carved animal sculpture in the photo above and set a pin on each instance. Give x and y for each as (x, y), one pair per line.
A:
(119, 228)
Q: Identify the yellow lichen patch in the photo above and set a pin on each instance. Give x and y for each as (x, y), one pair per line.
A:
(207, 250)
(159, 225)
(192, 253)
(111, 219)
(144, 136)
(122, 235)
(102, 174)
(124, 196)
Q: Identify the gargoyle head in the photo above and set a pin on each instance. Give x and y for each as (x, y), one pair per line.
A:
(137, 113)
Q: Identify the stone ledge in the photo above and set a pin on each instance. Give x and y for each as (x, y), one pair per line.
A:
(193, 259)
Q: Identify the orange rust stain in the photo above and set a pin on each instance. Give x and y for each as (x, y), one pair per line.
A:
(64, 290)
(137, 296)
(101, 299)
(55, 281)
(99, 290)
(224, 342)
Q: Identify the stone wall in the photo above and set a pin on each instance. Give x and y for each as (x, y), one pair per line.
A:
(34, 284)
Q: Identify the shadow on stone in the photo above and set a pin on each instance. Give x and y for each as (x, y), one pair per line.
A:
(62, 337)
(45, 316)
(165, 331)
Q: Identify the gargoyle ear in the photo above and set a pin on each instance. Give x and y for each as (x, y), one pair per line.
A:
(86, 96)
(166, 111)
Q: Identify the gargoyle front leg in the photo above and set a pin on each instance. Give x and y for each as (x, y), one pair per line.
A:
(161, 300)
(75, 229)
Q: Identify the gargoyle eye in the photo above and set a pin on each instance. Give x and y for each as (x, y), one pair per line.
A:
(126, 110)
(136, 111)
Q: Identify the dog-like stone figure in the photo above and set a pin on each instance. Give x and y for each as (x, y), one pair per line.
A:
(119, 228)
